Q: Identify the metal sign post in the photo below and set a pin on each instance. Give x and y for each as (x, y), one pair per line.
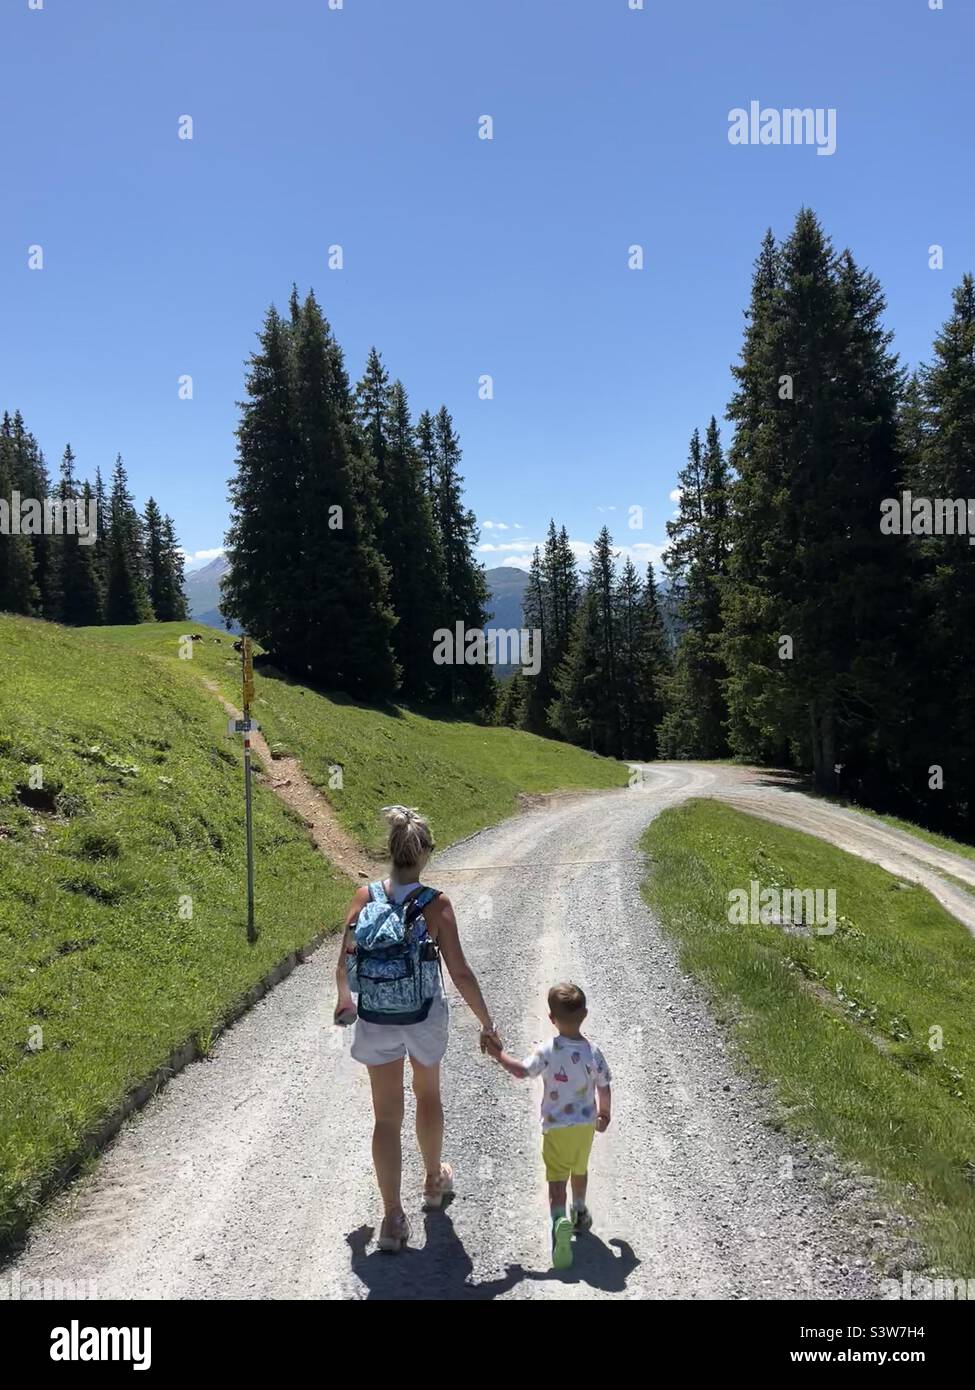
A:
(248, 664)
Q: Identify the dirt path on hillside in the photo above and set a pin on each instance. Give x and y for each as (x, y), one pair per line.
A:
(286, 778)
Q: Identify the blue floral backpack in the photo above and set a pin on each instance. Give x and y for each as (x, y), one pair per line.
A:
(394, 966)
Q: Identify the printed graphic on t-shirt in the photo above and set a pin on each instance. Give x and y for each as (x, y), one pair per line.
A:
(571, 1069)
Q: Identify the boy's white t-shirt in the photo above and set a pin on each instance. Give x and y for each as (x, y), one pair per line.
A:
(571, 1069)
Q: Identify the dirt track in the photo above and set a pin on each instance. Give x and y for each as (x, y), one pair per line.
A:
(250, 1176)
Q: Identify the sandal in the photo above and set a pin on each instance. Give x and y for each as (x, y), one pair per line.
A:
(394, 1233)
(444, 1189)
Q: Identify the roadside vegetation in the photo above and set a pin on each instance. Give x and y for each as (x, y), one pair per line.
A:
(867, 1034)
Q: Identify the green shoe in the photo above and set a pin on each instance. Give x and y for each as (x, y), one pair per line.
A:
(562, 1243)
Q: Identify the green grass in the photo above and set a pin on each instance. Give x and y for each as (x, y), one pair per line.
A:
(141, 810)
(841, 1024)
(464, 776)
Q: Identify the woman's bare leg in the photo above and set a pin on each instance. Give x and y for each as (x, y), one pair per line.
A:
(387, 1153)
(429, 1117)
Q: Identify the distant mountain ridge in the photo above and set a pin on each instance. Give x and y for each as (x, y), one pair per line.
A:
(506, 585)
(203, 593)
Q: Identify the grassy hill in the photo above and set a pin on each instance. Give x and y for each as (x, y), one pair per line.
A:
(464, 776)
(136, 823)
(122, 893)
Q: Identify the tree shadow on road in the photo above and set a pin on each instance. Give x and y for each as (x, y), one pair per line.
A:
(440, 1269)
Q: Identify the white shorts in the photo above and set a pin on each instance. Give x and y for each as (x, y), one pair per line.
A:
(374, 1044)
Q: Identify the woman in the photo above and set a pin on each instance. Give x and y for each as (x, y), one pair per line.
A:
(382, 1047)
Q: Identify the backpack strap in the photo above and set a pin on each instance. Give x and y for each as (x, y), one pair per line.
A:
(377, 893)
(422, 898)
(418, 900)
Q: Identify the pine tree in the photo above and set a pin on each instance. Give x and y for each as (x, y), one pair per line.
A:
(412, 549)
(372, 408)
(126, 600)
(264, 541)
(164, 566)
(18, 591)
(586, 708)
(509, 701)
(100, 548)
(341, 585)
(756, 681)
(938, 437)
(697, 561)
(465, 588)
(152, 531)
(552, 601)
(538, 690)
(562, 577)
(816, 596)
(32, 480)
(652, 661)
(173, 607)
(574, 711)
(82, 601)
(627, 604)
(426, 443)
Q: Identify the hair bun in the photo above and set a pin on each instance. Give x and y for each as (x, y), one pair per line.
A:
(410, 838)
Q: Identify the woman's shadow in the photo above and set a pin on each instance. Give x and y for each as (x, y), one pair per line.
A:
(441, 1268)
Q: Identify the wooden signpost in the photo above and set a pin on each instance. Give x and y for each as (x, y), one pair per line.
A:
(247, 726)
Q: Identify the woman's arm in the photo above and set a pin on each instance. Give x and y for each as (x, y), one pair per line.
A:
(440, 915)
(345, 1000)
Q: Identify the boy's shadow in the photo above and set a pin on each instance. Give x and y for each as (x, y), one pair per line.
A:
(594, 1263)
(441, 1269)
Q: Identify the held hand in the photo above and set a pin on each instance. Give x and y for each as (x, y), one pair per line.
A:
(602, 1123)
(490, 1041)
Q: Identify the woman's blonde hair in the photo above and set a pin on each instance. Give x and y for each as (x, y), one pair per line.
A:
(410, 837)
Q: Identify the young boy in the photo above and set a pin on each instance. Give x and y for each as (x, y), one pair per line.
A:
(574, 1074)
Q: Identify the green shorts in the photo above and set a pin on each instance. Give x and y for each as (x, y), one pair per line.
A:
(565, 1150)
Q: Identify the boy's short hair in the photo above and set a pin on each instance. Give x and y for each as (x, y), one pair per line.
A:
(566, 1001)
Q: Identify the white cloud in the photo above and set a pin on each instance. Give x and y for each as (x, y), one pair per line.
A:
(495, 526)
(518, 554)
(198, 558)
(675, 494)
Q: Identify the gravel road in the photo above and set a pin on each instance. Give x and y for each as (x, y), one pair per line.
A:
(250, 1175)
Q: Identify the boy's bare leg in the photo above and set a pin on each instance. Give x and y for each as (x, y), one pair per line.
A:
(561, 1227)
(579, 1183)
(556, 1199)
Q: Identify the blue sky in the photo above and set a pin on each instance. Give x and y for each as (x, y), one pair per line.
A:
(463, 257)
